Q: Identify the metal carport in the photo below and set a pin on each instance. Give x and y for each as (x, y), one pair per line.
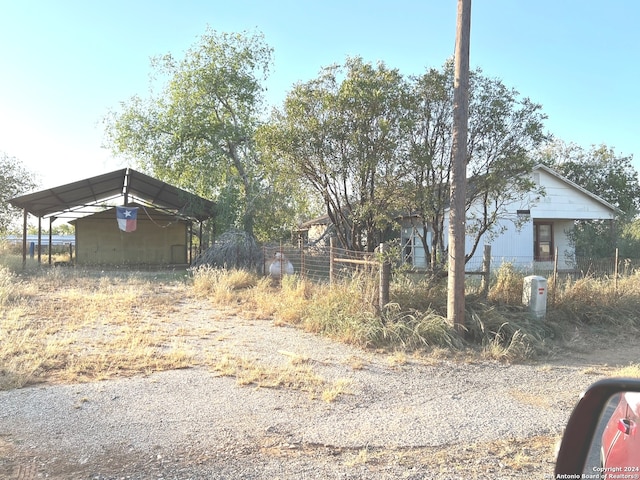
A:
(92, 195)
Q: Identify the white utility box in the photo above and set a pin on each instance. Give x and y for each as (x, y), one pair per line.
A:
(534, 295)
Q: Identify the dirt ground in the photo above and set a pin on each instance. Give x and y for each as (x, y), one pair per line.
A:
(385, 427)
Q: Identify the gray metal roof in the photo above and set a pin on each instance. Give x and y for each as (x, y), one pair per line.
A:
(127, 184)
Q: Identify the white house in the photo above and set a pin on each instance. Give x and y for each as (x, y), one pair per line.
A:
(530, 230)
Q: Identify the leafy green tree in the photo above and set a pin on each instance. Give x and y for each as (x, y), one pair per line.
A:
(428, 169)
(15, 180)
(503, 128)
(341, 134)
(612, 177)
(61, 229)
(629, 240)
(373, 144)
(198, 131)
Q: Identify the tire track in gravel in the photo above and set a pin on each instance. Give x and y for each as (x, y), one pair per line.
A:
(193, 419)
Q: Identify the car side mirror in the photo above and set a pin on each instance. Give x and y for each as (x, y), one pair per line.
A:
(601, 434)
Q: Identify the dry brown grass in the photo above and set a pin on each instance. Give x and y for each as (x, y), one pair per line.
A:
(499, 327)
(335, 389)
(629, 371)
(356, 362)
(72, 326)
(506, 458)
(528, 398)
(296, 375)
(221, 285)
(67, 327)
(507, 288)
(397, 359)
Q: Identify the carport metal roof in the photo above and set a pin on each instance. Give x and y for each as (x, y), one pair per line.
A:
(71, 199)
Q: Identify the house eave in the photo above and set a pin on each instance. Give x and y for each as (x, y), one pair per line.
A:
(591, 195)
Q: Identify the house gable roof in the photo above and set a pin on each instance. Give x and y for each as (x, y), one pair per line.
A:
(325, 220)
(593, 196)
(130, 184)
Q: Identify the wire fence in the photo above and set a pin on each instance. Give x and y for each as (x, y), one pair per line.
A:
(335, 264)
(320, 264)
(579, 267)
(329, 263)
(332, 264)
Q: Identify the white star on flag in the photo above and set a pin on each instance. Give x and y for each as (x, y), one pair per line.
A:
(127, 218)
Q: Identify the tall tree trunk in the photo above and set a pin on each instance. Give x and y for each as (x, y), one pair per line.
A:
(248, 216)
(455, 291)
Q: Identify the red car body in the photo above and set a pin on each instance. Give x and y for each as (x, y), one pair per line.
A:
(620, 453)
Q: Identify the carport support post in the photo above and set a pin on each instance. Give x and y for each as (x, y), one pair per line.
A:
(24, 238)
(39, 240)
(190, 242)
(51, 219)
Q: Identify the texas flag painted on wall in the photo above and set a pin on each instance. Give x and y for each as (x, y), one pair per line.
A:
(127, 218)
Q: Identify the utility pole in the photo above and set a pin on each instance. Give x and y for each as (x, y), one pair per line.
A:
(455, 290)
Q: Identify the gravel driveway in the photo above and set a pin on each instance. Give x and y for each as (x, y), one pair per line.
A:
(394, 422)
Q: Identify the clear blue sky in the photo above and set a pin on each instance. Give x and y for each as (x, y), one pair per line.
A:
(65, 63)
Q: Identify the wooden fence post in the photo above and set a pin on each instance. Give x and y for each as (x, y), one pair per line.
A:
(555, 277)
(385, 278)
(281, 265)
(265, 269)
(486, 271)
(616, 272)
(331, 262)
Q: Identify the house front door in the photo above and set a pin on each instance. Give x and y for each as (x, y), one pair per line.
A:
(543, 241)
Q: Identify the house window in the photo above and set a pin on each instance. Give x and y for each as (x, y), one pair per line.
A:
(543, 241)
(407, 247)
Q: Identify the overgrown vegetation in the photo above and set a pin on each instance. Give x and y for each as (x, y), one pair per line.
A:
(70, 325)
(66, 326)
(234, 249)
(498, 327)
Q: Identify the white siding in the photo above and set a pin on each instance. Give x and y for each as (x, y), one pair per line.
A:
(563, 201)
(516, 246)
(512, 239)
